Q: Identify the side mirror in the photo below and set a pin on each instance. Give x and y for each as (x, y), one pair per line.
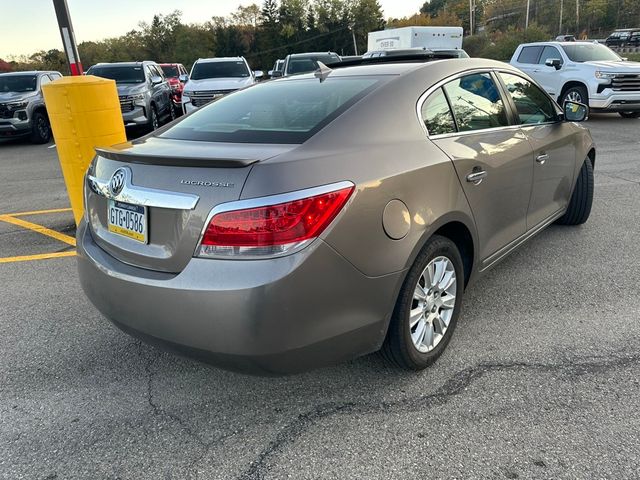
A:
(183, 78)
(553, 62)
(575, 112)
(270, 73)
(276, 74)
(258, 73)
(156, 80)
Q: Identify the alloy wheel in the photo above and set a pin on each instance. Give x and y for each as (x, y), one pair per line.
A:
(573, 96)
(433, 303)
(43, 127)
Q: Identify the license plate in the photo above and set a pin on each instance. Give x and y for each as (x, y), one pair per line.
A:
(127, 220)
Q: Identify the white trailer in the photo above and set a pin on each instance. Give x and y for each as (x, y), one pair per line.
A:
(434, 38)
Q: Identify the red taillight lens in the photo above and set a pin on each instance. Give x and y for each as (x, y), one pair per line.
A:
(271, 229)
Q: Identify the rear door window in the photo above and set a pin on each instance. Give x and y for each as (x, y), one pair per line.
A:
(476, 102)
(530, 54)
(437, 115)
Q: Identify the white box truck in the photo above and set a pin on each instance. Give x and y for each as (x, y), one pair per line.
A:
(433, 38)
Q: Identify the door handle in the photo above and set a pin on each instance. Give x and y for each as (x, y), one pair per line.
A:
(543, 157)
(476, 177)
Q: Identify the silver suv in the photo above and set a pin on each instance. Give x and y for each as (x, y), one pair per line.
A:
(145, 94)
(22, 110)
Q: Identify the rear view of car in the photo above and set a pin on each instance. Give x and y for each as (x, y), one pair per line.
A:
(212, 78)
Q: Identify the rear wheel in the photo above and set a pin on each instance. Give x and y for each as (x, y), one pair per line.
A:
(629, 114)
(427, 309)
(40, 128)
(579, 207)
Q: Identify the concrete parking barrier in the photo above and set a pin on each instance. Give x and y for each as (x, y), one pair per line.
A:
(84, 112)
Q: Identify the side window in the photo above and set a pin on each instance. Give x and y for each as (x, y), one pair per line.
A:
(436, 114)
(55, 76)
(149, 71)
(532, 104)
(549, 52)
(476, 102)
(44, 79)
(529, 54)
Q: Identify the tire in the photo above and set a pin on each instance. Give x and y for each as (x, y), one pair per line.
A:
(40, 128)
(401, 343)
(577, 93)
(629, 114)
(582, 198)
(172, 112)
(154, 123)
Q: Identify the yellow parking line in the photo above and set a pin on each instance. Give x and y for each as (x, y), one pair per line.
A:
(38, 212)
(39, 228)
(40, 256)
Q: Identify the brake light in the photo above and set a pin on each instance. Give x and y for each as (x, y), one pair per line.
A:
(273, 228)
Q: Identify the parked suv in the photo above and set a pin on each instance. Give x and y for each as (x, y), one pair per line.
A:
(584, 72)
(174, 72)
(214, 77)
(298, 63)
(22, 109)
(145, 94)
(623, 38)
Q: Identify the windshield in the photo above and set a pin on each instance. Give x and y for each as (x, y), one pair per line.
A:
(18, 83)
(169, 71)
(232, 69)
(128, 74)
(309, 63)
(590, 52)
(273, 112)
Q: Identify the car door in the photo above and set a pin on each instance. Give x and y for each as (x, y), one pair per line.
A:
(492, 158)
(527, 60)
(552, 141)
(548, 77)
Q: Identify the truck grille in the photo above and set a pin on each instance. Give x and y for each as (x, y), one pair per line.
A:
(203, 97)
(626, 83)
(126, 103)
(5, 112)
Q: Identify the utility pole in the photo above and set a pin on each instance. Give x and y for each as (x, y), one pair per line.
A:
(561, 7)
(68, 37)
(353, 36)
(472, 15)
(526, 22)
(578, 19)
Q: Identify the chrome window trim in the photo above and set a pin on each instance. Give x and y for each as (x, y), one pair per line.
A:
(263, 202)
(148, 197)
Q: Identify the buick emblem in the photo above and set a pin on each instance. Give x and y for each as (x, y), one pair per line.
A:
(116, 184)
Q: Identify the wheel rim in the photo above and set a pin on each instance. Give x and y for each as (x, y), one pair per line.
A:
(574, 96)
(173, 112)
(154, 119)
(43, 128)
(433, 303)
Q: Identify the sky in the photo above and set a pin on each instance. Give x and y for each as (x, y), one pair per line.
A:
(30, 25)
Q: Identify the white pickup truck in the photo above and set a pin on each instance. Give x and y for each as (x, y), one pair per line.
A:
(584, 72)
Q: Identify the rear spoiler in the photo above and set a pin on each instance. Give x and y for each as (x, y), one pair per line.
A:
(131, 156)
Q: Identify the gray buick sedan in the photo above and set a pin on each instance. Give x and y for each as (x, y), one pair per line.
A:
(309, 220)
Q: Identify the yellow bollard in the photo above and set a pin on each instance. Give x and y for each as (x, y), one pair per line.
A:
(84, 112)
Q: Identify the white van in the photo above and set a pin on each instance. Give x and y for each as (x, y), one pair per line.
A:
(432, 38)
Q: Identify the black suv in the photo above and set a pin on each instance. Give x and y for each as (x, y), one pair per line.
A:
(145, 94)
(622, 38)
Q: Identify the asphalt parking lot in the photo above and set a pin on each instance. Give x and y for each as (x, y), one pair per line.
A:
(539, 381)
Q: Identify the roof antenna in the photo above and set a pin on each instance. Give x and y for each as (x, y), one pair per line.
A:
(322, 72)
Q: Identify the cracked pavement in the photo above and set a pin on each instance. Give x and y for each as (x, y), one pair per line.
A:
(540, 379)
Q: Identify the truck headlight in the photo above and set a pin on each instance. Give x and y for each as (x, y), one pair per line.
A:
(604, 75)
(16, 106)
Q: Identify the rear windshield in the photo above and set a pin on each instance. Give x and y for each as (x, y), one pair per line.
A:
(170, 71)
(18, 83)
(232, 69)
(128, 74)
(273, 112)
(309, 64)
(590, 52)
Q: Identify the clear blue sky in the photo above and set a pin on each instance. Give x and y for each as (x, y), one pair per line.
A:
(30, 25)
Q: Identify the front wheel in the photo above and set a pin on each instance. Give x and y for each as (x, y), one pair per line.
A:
(40, 128)
(579, 207)
(153, 121)
(629, 114)
(577, 94)
(428, 306)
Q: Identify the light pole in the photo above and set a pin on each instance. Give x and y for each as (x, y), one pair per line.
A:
(526, 22)
(561, 8)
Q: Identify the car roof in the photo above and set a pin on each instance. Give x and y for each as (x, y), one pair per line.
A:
(124, 64)
(31, 72)
(169, 64)
(559, 44)
(310, 54)
(220, 59)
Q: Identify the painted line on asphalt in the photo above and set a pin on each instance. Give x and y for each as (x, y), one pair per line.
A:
(39, 229)
(39, 256)
(37, 212)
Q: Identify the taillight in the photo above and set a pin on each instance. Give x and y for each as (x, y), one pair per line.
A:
(275, 225)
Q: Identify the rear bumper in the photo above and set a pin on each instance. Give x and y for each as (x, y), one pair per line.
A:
(276, 316)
